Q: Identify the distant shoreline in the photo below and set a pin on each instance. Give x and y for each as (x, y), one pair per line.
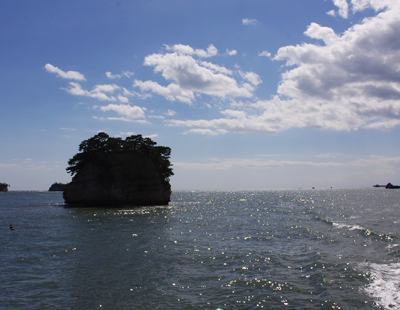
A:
(224, 190)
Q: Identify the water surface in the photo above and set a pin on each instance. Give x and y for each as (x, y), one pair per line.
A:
(291, 249)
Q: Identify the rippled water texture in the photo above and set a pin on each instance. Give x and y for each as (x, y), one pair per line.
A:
(302, 249)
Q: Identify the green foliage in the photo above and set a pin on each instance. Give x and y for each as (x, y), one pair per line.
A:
(102, 143)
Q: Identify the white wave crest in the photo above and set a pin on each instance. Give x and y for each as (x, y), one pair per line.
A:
(385, 285)
(340, 225)
(357, 227)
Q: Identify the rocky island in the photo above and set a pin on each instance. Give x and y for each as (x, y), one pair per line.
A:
(57, 187)
(4, 187)
(112, 172)
(390, 185)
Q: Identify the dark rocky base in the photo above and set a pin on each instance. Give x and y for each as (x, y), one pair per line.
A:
(115, 179)
(57, 187)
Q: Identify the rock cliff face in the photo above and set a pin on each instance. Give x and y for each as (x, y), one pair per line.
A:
(118, 178)
(57, 187)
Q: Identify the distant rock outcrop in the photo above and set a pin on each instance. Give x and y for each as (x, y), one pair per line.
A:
(118, 178)
(390, 185)
(57, 187)
(4, 187)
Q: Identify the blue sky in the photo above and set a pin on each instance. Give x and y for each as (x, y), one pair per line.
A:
(248, 94)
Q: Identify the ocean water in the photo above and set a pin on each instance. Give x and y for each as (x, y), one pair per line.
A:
(289, 249)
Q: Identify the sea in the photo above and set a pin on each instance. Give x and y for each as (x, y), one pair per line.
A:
(272, 249)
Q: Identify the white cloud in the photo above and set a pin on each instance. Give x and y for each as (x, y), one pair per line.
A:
(248, 21)
(384, 125)
(127, 74)
(127, 119)
(203, 131)
(8, 165)
(331, 13)
(127, 93)
(265, 54)
(343, 7)
(123, 99)
(76, 89)
(106, 88)
(99, 118)
(156, 116)
(329, 155)
(187, 50)
(170, 113)
(171, 92)
(231, 52)
(326, 34)
(252, 77)
(71, 75)
(111, 76)
(215, 68)
(128, 133)
(346, 82)
(190, 77)
(126, 111)
(98, 92)
(151, 136)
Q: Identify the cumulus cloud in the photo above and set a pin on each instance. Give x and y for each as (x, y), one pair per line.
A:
(231, 52)
(187, 50)
(336, 81)
(343, 7)
(265, 54)
(341, 82)
(191, 77)
(123, 99)
(126, 111)
(98, 92)
(248, 21)
(112, 76)
(252, 77)
(331, 13)
(71, 75)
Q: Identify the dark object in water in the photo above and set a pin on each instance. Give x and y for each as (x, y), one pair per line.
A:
(4, 187)
(119, 178)
(113, 172)
(57, 187)
(390, 185)
(12, 227)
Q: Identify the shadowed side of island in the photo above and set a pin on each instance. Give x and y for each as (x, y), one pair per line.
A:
(111, 171)
(119, 178)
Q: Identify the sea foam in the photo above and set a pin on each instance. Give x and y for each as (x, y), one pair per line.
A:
(384, 285)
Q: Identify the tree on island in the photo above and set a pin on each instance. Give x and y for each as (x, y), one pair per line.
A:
(102, 143)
